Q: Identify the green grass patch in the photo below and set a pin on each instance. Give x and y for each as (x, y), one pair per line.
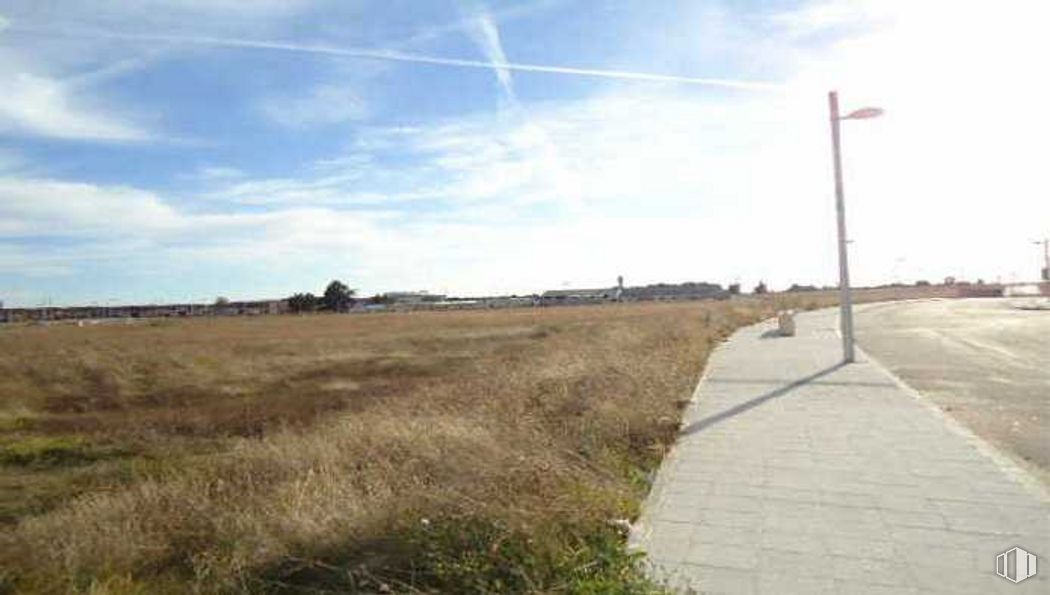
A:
(473, 555)
(53, 451)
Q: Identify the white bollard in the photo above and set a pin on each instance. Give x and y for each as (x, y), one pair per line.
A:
(786, 323)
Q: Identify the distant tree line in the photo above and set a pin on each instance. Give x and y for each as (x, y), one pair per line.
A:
(337, 297)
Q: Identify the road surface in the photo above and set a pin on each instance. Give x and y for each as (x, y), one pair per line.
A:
(984, 361)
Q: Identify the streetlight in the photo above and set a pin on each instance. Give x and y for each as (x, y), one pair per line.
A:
(845, 299)
(1045, 242)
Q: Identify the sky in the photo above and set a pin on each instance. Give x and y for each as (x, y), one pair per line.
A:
(187, 149)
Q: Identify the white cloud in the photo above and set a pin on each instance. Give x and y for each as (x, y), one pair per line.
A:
(136, 235)
(599, 149)
(198, 15)
(323, 105)
(44, 207)
(56, 94)
(218, 172)
(622, 179)
(824, 16)
(53, 89)
(308, 190)
(39, 105)
(32, 263)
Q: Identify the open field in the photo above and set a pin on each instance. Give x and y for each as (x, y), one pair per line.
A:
(467, 451)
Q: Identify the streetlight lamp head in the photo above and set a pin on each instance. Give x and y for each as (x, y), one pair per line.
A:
(864, 113)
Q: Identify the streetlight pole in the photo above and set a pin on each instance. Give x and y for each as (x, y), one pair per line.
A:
(1046, 258)
(845, 296)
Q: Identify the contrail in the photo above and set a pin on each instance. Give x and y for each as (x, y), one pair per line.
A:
(397, 56)
(485, 34)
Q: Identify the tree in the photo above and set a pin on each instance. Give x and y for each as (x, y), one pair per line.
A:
(761, 288)
(302, 302)
(338, 297)
(379, 299)
(734, 289)
(222, 301)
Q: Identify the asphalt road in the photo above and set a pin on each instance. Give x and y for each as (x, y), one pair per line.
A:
(984, 361)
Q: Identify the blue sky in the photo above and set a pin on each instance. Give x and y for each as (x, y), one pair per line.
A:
(187, 149)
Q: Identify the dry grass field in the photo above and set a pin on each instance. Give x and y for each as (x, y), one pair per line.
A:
(459, 451)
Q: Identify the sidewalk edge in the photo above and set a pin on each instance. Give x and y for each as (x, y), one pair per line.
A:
(641, 528)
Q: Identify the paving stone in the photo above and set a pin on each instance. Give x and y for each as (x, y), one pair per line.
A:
(793, 542)
(792, 584)
(713, 579)
(860, 547)
(740, 557)
(915, 518)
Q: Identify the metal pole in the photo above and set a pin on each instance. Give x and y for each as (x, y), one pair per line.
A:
(1046, 259)
(1044, 275)
(845, 298)
(1044, 272)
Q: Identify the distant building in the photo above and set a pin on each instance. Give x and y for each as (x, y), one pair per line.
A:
(413, 297)
(505, 301)
(659, 291)
(579, 295)
(680, 291)
(242, 308)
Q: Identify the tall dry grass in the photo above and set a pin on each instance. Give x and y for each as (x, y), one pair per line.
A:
(472, 451)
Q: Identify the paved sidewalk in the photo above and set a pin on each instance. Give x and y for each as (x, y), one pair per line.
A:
(793, 474)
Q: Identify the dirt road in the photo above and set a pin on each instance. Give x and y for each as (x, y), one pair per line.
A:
(984, 361)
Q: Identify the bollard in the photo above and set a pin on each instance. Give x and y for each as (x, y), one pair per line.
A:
(786, 323)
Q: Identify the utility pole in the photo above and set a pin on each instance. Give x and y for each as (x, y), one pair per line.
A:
(845, 297)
